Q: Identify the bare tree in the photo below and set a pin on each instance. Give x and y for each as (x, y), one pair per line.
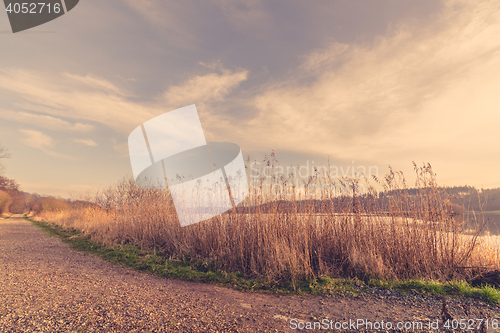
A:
(4, 153)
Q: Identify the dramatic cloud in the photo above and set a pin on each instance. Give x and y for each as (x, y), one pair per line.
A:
(93, 99)
(74, 97)
(393, 94)
(380, 83)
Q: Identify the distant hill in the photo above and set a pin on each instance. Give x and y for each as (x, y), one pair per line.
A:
(474, 199)
(467, 196)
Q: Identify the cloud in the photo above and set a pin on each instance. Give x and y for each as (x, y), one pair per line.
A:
(183, 24)
(173, 18)
(86, 142)
(39, 140)
(205, 88)
(93, 99)
(48, 122)
(248, 16)
(75, 97)
(96, 83)
(426, 86)
(367, 99)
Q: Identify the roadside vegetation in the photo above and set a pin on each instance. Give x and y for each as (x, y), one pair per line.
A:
(4, 202)
(317, 234)
(395, 233)
(150, 261)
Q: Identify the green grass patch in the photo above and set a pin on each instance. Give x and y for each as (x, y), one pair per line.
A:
(189, 270)
(151, 261)
(436, 288)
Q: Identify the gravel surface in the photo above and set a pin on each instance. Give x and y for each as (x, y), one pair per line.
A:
(47, 287)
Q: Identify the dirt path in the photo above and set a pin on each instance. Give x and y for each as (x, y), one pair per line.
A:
(47, 287)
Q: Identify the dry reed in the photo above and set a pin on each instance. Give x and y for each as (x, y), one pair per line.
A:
(391, 234)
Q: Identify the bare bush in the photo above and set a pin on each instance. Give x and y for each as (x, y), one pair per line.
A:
(5, 201)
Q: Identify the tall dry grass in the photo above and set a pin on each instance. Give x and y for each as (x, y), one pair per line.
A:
(387, 233)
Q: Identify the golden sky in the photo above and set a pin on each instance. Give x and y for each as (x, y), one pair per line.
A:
(374, 82)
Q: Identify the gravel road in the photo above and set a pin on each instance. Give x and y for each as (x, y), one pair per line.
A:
(45, 286)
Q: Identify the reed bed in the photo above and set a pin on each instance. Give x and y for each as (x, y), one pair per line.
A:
(384, 232)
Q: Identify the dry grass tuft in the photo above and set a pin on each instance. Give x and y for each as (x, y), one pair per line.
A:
(391, 234)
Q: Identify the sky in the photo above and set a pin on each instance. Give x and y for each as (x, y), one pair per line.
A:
(363, 83)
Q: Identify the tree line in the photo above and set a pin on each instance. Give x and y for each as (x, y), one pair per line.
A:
(15, 201)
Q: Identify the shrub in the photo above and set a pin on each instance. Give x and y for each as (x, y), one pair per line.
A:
(5, 202)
